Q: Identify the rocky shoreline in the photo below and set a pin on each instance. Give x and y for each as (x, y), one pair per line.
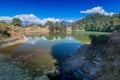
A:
(99, 60)
(78, 67)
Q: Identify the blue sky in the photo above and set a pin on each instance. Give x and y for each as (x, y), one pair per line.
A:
(62, 9)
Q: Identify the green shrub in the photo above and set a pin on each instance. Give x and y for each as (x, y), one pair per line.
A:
(17, 22)
(101, 39)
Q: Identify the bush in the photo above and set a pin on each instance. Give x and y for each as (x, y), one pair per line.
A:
(5, 32)
(101, 39)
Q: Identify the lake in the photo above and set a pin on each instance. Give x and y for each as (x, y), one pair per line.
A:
(40, 54)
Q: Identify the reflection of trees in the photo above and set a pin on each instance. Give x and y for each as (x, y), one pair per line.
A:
(52, 36)
(82, 38)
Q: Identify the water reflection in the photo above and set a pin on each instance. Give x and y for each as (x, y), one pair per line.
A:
(63, 50)
(40, 53)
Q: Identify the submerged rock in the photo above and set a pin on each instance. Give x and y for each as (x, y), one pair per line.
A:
(44, 77)
(11, 70)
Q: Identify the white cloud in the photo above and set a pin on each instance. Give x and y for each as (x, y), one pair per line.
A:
(50, 19)
(31, 18)
(97, 9)
(27, 17)
(71, 21)
(6, 19)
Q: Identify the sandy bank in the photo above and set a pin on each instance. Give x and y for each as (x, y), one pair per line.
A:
(12, 41)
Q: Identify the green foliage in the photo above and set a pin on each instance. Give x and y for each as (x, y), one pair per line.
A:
(63, 27)
(17, 22)
(74, 26)
(40, 25)
(98, 22)
(56, 27)
(51, 26)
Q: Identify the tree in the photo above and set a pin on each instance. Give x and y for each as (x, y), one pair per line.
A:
(57, 27)
(51, 26)
(63, 27)
(74, 26)
(40, 25)
(17, 22)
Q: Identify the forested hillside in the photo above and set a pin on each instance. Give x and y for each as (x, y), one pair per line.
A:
(98, 22)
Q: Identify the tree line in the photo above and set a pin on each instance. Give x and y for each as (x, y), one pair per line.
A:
(98, 22)
(93, 22)
(54, 27)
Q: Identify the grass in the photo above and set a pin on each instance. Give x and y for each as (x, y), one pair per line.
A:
(89, 32)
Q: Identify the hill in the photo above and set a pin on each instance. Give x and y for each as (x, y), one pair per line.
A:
(98, 22)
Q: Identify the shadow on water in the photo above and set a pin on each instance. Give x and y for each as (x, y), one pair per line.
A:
(61, 52)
